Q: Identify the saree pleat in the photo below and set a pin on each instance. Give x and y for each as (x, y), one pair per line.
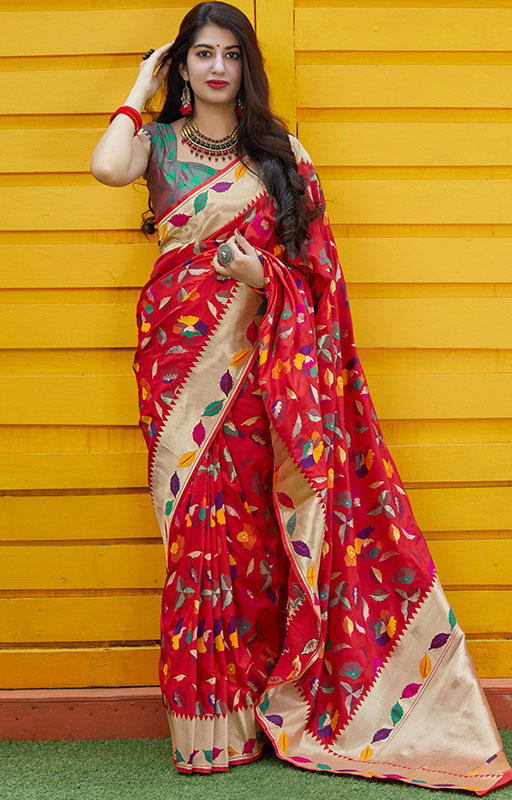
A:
(301, 603)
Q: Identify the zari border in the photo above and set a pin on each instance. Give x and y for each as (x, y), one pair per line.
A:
(178, 447)
(214, 743)
(428, 675)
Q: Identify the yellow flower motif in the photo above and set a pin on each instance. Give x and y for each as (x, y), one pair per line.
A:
(350, 557)
(231, 669)
(166, 669)
(388, 467)
(330, 478)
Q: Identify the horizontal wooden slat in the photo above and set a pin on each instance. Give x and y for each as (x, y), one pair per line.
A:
(377, 202)
(81, 666)
(419, 201)
(328, 143)
(112, 516)
(424, 463)
(409, 29)
(471, 322)
(77, 265)
(386, 86)
(88, 32)
(137, 617)
(112, 566)
(112, 399)
(141, 566)
(364, 260)
(41, 668)
(407, 143)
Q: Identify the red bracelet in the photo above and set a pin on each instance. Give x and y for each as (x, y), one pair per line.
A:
(132, 113)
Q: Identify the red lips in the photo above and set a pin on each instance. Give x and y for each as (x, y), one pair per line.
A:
(217, 84)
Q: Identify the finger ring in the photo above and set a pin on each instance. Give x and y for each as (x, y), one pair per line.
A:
(225, 254)
(147, 54)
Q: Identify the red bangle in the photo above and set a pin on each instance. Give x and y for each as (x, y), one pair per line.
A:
(132, 113)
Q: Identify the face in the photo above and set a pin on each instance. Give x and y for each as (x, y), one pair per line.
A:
(214, 56)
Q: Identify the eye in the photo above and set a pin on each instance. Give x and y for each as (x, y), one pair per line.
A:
(203, 51)
(233, 53)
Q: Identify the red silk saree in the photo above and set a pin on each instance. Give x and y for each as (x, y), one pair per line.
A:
(301, 603)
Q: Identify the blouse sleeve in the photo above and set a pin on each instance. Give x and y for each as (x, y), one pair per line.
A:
(147, 132)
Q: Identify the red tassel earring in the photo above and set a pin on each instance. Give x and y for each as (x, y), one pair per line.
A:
(239, 110)
(186, 104)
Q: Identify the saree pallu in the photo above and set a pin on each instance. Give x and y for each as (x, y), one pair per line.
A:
(301, 604)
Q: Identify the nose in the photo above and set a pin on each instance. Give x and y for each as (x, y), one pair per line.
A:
(218, 64)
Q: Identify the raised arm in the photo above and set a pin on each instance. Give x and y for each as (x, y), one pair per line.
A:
(120, 157)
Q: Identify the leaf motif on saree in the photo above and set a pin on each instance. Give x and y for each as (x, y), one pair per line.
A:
(212, 409)
(178, 220)
(223, 186)
(301, 549)
(439, 640)
(226, 382)
(239, 358)
(200, 202)
(187, 459)
(198, 433)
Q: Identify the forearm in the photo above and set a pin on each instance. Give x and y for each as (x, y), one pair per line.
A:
(113, 153)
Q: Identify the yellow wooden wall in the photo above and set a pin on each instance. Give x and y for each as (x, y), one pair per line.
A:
(405, 108)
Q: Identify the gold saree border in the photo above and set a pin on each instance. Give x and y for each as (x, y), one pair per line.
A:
(175, 451)
(196, 217)
(420, 691)
(227, 733)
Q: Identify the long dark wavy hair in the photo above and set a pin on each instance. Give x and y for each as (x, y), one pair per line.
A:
(262, 135)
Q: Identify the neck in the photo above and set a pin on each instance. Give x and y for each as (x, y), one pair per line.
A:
(214, 121)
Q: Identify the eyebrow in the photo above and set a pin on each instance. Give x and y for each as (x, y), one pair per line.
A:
(229, 47)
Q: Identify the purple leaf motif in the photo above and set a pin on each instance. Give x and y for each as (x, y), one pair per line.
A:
(275, 718)
(411, 689)
(301, 549)
(226, 382)
(198, 434)
(383, 733)
(179, 220)
(439, 640)
(223, 186)
(175, 484)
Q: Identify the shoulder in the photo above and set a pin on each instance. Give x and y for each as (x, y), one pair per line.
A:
(147, 134)
(299, 151)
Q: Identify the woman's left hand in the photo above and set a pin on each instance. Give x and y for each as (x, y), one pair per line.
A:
(245, 266)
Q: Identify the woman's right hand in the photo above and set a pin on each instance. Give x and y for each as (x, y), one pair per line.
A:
(146, 80)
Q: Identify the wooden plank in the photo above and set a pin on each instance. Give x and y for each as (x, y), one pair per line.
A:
(137, 617)
(86, 517)
(477, 562)
(378, 322)
(129, 618)
(95, 207)
(141, 566)
(109, 566)
(356, 202)
(63, 667)
(77, 265)
(131, 515)
(364, 260)
(425, 260)
(417, 463)
(425, 202)
(387, 86)
(112, 399)
(66, 667)
(482, 611)
(405, 29)
(89, 32)
(407, 143)
(275, 31)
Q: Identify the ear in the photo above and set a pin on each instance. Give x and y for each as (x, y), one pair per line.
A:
(182, 69)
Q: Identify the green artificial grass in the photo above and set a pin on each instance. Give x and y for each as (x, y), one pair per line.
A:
(142, 769)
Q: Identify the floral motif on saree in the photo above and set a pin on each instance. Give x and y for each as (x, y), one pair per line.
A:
(301, 603)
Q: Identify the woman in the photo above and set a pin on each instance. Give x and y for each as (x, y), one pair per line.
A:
(301, 603)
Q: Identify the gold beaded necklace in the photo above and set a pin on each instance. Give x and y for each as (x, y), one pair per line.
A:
(205, 145)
